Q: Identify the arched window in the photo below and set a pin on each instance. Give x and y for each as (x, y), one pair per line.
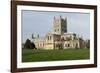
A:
(68, 45)
(48, 37)
(76, 45)
(58, 29)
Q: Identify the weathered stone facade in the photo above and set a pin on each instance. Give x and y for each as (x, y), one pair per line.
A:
(59, 38)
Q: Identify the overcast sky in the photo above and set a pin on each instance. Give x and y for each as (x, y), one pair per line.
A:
(38, 22)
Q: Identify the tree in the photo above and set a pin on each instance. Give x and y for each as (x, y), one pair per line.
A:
(33, 46)
(29, 45)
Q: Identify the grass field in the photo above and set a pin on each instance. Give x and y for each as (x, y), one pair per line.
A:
(30, 55)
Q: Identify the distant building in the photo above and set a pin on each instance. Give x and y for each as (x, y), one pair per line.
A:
(59, 38)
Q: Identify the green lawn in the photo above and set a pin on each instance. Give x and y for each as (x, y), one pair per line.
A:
(30, 55)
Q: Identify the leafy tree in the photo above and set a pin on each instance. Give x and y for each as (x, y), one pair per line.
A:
(29, 45)
(33, 45)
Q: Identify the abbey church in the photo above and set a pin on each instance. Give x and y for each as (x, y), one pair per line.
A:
(59, 38)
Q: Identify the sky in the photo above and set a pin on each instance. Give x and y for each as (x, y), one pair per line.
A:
(41, 22)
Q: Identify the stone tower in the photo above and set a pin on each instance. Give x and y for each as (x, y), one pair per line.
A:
(60, 25)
